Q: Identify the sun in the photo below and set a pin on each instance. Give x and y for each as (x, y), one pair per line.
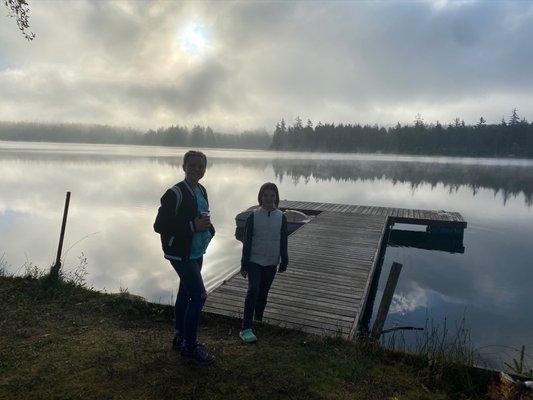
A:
(194, 38)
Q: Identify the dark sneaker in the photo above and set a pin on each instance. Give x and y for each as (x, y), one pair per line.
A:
(177, 343)
(198, 355)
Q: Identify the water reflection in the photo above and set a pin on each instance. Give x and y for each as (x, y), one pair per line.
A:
(507, 178)
(116, 190)
(489, 285)
(425, 240)
(510, 180)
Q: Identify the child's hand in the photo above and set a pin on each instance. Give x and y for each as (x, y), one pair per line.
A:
(202, 224)
(282, 268)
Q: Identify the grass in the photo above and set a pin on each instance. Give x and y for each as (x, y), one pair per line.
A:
(520, 365)
(65, 341)
(443, 346)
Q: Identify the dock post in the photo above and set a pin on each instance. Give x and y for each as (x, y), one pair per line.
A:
(54, 271)
(364, 324)
(386, 300)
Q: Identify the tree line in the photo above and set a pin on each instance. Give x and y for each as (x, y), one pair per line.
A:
(200, 136)
(511, 137)
(180, 136)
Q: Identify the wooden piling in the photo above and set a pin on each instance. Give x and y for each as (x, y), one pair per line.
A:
(54, 271)
(386, 300)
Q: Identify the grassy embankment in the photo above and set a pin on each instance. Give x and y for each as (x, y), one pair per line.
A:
(69, 342)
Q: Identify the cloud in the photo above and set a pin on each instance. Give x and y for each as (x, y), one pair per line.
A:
(374, 62)
(403, 303)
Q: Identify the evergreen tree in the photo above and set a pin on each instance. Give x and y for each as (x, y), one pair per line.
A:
(514, 119)
(277, 143)
(419, 121)
(298, 123)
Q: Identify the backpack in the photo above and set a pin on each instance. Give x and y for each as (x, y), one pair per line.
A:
(160, 221)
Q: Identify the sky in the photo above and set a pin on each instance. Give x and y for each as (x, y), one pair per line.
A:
(245, 65)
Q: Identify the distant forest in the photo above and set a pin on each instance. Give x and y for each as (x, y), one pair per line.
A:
(173, 136)
(510, 138)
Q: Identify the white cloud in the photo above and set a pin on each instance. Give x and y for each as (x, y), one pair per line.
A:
(124, 62)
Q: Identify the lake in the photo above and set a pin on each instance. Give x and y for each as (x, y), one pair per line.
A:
(116, 191)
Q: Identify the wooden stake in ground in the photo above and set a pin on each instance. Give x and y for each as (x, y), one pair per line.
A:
(54, 271)
(384, 305)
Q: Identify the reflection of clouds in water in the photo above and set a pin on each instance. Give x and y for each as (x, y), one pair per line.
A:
(491, 273)
(489, 282)
(408, 302)
(413, 296)
(92, 185)
(117, 196)
(117, 202)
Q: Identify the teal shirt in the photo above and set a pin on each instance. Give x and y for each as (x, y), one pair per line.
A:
(200, 240)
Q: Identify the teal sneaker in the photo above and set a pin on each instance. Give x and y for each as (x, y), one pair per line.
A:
(247, 336)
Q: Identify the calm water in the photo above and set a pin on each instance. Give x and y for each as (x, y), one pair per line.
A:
(116, 191)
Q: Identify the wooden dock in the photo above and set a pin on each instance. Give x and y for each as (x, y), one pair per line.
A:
(332, 261)
(430, 218)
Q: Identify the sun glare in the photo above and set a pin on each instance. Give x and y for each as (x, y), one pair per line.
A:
(194, 38)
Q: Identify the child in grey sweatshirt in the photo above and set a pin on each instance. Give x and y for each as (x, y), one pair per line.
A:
(265, 247)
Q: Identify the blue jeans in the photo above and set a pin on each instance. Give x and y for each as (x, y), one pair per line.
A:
(260, 279)
(189, 300)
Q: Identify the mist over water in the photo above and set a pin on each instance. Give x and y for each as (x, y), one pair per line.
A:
(116, 191)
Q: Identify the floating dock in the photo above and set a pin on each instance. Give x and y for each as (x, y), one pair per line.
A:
(332, 266)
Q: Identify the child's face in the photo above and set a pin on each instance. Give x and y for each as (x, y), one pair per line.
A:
(268, 199)
(194, 169)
